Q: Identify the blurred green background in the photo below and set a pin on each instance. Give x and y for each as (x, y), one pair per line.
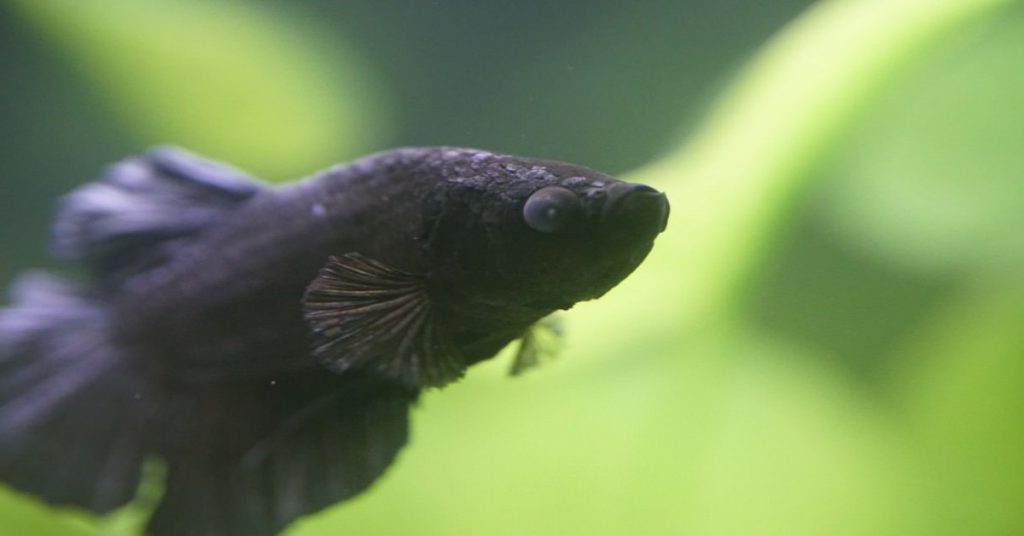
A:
(829, 339)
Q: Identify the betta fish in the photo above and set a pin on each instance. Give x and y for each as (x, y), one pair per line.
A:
(265, 343)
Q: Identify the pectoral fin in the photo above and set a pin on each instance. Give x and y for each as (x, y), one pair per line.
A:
(369, 316)
(542, 342)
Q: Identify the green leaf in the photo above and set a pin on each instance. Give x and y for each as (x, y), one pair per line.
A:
(792, 449)
(960, 380)
(24, 515)
(931, 182)
(233, 80)
(732, 182)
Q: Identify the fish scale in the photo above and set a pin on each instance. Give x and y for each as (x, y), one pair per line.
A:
(266, 342)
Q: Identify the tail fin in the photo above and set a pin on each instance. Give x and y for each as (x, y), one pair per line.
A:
(243, 459)
(72, 417)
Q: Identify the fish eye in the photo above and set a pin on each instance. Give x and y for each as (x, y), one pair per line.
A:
(551, 209)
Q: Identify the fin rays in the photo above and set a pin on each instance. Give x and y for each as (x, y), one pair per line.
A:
(121, 224)
(365, 314)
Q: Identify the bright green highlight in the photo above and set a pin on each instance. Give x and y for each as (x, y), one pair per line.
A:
(228, 79)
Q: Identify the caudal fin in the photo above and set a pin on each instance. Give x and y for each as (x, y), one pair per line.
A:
(72, 417)
(243, 459)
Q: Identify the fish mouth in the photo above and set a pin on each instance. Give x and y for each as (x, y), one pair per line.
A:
(637, 208)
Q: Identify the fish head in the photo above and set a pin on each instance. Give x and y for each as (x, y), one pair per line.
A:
(541, 235)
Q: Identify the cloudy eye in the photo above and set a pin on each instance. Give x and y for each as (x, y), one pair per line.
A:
(551, 209)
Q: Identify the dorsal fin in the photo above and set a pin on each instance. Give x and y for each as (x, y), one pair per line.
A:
(370, 316)
(121, 223)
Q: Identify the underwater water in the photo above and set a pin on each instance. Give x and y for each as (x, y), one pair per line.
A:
(827, 339)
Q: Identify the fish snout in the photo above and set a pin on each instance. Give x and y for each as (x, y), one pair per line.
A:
(636, 206)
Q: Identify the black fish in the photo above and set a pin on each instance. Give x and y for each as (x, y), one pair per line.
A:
(266, 342)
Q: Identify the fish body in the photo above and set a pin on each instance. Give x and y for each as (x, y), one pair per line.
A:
(266, 342)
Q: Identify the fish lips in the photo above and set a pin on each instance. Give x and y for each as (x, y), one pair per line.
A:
(636, 210)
